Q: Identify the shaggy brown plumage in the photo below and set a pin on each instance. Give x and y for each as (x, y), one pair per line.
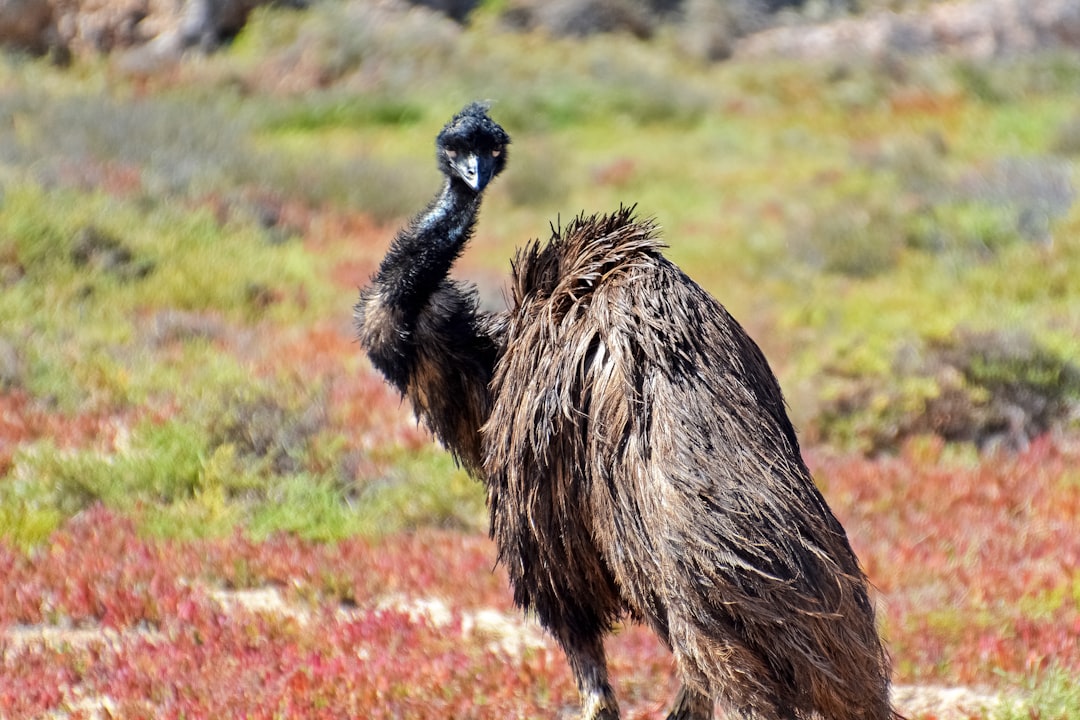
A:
(639, 462)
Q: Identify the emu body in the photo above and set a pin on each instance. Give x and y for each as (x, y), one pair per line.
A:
(638, 460)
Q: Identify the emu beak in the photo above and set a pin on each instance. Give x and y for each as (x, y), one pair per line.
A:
(475, 170)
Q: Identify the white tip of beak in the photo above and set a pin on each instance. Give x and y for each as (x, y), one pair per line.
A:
(468, 168)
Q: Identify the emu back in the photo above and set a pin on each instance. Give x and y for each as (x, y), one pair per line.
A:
(640, 461)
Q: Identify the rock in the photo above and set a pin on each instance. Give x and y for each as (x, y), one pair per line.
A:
(458, 10)
(977, 29)
(707, 29)
(208, 23)
(93, 27)
(580, 18)
(26, 24)
(90, 27)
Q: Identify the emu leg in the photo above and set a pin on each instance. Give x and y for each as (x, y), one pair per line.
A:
(587, 662)
(691, 705)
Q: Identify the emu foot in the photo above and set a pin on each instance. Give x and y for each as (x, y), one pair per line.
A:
(600, 706)
(691, 705)
(586, 658)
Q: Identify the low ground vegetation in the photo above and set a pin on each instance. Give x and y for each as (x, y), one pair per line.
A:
(183, 412)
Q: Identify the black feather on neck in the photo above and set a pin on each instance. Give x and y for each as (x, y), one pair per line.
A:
(423, 251)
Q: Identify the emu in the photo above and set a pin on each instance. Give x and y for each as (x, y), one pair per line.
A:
(637, 455)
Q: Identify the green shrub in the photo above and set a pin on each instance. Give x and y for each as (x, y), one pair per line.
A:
(852, 238)
(266, 431)
(361, 184)
(422, 489)
(1067, 139)
(1051, 693)
(179, 145)
(993, 389)
(979, 82)
(343, 110)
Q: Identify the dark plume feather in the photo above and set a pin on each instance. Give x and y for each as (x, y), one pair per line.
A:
(639, 459)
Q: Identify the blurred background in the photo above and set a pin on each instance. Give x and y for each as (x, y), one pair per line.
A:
(883, 192)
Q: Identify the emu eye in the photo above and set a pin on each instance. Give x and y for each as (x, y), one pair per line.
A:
(451, 154)
(496, 152)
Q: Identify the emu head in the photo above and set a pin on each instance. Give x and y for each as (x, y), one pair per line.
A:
(472, 147)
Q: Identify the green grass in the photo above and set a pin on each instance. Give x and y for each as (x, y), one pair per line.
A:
(86, 325)
(1051, 693)
(423, 489)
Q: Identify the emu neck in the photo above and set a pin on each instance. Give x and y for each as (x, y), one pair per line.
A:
(421, 255)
